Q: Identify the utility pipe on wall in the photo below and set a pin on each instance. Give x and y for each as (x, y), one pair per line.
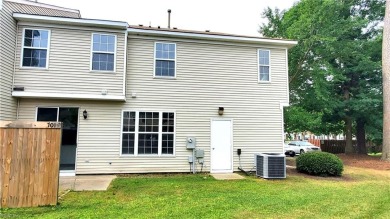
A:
(169, 18)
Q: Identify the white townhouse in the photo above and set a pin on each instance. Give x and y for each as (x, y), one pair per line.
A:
(133, 98)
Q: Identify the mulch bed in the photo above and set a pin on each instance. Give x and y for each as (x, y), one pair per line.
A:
(364, 161)
(356, 160)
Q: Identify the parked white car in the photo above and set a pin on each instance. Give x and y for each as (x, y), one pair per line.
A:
(299, 147)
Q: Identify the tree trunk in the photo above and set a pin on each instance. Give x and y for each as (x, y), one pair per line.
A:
(361, 136)
(348, 135)
(386, 84)
(348, 127)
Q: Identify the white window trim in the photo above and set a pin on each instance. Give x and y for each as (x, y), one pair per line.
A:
(28, 47)
(115, 49)
(136, 132)
(258, 66)
(155, 59)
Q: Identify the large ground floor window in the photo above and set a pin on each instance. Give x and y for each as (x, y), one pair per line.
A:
(146, 133)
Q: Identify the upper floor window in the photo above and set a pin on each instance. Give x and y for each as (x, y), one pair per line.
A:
(165, 60)
(103, 52)
(264, 65)
(35, 48)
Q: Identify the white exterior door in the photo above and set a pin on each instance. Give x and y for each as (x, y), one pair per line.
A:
(221, 146)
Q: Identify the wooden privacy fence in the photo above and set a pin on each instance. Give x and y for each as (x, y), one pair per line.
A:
(29, 159)
(316, 142)
(338, 146)
(335, 146)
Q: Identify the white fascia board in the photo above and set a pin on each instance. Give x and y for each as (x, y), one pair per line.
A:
(24, 94)
(285, 43)
(71, 21)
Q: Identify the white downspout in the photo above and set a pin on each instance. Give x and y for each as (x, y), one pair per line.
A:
(125, 66)
(13, 73)
(17, 108)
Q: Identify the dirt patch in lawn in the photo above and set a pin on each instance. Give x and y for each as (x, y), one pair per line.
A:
(290, 161)
(364, 161)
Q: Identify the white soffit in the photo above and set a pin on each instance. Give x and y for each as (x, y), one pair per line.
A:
(24, 94)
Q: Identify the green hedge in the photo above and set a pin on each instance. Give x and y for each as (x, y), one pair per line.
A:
(320, 164)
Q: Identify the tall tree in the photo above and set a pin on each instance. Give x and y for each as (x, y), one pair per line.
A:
(386, 84)
(334, 72)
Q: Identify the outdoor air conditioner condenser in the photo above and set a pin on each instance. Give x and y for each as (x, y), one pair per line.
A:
(270, 166)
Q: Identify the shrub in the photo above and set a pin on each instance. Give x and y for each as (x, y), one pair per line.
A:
(320, 164)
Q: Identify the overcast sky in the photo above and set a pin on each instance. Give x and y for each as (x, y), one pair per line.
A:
(228, 16)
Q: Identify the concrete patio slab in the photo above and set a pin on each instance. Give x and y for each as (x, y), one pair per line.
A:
(85, 182)
(227, 176)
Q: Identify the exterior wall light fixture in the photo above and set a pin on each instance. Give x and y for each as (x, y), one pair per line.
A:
(85, 114)
(220, 111)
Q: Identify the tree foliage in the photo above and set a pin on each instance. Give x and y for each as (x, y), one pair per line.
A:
(335, 70)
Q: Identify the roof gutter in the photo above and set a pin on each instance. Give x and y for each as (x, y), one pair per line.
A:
(278, 42)
(71, 21)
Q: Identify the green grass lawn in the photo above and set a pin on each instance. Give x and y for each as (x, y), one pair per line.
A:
(360, 193)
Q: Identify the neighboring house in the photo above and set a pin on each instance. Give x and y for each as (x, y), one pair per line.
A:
(145, 90)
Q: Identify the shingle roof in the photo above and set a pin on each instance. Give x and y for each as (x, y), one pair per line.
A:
(199, 32)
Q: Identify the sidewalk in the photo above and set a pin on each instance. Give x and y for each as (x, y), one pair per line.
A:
(85, 182)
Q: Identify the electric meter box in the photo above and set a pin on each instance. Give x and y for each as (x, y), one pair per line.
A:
(191, 142)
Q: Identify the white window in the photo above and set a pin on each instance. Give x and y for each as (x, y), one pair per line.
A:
(264, 65)
(128, 133)
(165, 60)
(148, 133)
(103, 52)
(35, 48)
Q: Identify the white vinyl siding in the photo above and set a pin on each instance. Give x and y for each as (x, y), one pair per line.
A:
(264, 63)
(35, 48)
(212, 75)
(70, 65)
(7, 47)
(103, 52)
(226, 76)
(148, 133)
(165, 60)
